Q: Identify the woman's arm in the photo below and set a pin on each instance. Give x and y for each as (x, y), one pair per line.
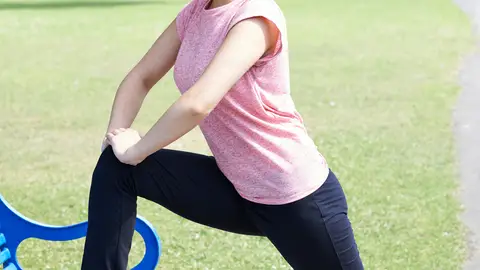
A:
(243, 47)
(150, 69)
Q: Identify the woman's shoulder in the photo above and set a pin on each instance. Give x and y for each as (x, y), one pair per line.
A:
(268, 9)
(261, 5)
(262, 8)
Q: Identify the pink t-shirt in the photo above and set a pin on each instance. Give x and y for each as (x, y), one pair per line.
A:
(255, 133)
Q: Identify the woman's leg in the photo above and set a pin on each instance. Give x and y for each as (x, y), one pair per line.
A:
(188, 184)
(312, 233)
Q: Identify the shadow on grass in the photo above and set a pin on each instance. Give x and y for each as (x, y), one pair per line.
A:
(73, 4)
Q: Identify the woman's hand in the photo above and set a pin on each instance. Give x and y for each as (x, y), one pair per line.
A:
(123, 141)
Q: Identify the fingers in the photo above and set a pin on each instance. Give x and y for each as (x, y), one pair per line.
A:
(113, 133)
(118, 131)
(110, 137)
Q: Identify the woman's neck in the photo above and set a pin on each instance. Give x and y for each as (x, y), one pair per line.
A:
(218, 3)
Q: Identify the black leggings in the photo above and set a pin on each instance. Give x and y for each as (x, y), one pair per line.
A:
(312, 233)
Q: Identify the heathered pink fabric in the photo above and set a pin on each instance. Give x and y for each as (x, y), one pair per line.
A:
(255, 133)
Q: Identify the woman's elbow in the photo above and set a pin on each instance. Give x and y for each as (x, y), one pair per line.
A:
(199, 110)
(140, 81)
(195, 107)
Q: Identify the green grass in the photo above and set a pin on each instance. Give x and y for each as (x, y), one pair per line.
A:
(374, 80)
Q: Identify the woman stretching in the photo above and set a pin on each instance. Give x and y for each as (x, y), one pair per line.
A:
(265, 177)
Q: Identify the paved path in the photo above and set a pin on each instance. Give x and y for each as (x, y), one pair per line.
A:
(467, 135)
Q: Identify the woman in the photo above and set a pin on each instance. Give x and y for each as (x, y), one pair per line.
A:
(265, 178)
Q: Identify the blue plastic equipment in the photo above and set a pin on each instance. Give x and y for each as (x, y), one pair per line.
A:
(14, 228)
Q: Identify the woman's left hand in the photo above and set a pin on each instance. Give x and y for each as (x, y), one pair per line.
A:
(123, 143)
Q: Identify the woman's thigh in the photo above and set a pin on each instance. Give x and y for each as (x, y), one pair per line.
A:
(192, 186)
(312, 233)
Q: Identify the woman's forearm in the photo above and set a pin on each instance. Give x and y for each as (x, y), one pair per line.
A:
(159, 59)
(128, 101)
(178, 120)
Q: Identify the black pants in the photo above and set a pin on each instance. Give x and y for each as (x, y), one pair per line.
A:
(312, 233)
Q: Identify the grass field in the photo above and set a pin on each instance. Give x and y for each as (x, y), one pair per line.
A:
(374, 80)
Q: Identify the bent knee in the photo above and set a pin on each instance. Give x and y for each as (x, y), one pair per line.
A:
(109, 169)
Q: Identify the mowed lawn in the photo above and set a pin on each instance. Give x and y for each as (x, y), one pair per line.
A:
(374, 80)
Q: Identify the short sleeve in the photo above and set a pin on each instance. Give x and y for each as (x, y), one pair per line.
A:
(269, 10)
(184, 17)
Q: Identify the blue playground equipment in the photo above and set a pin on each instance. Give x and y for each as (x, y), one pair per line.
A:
(14, 228)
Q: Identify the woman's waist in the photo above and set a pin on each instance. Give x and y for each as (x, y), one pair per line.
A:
(276, 187)
(284, 160)
(283, 152)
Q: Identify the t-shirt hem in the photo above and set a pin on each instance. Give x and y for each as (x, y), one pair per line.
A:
(293, 198)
